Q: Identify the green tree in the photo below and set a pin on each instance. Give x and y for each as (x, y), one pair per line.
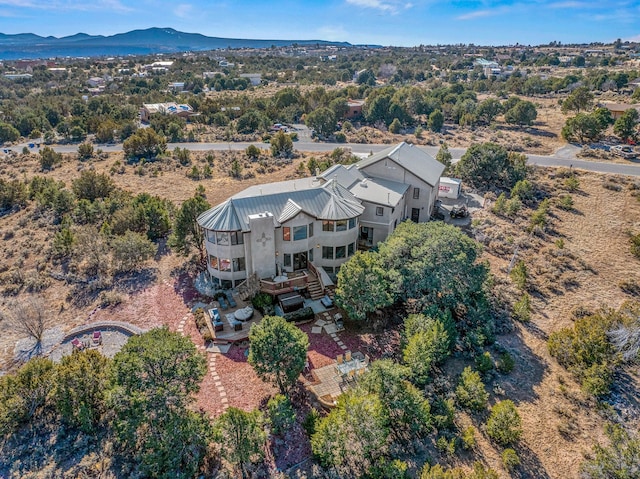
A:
(132, 250)
(281, 145)
(282, 416)
(8, 133)
(407, 410)
(583, 128)
(395, 126)
(491, 165)
(365, 285)
(26, 395)
(626, 127)
(444, 156)
(504, 425)
(241, 436)
(436, 121)
(251, 122)
(81, 387)
(252, 151)
(322, 120)
(580, 99)
(353, 435)
(187, 233)
(49, 158)
(278, 351)
(522, 113)
(425, 349)
(144, 143)
(92, 185)
(85, 151)
(618, 460)
(488, 110)
(524, 190)
(471, 392)
(154, 379)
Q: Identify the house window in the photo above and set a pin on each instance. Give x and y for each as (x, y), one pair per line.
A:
(222, 238)
(327, 225)
(351, 249)
(225, 264)
(310, 230)
(211, 236)
(238, 264)
(327, 252)
(340, 251)
(299, 233)
(213, 262)
(416, 193)
(287, 260)
(352, 223)
(328, 269)
(341, 225)
(286, 233)
(379, 211)
(311, 254)
(236, 237)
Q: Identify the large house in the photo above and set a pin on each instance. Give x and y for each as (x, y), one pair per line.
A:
(171, 108)
(307, 228)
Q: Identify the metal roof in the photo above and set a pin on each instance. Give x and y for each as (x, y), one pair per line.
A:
(366, 188)
(328, 201)
(412, 159)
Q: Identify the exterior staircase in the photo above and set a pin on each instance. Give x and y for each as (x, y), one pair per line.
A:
(314, 287)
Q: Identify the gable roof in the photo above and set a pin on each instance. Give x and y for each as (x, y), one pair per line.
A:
(328, 201)
(412, 159)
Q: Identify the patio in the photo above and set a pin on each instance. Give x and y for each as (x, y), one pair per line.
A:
(329, 382)
(232, 328)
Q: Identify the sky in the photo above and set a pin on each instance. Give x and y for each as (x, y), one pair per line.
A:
(381, 22)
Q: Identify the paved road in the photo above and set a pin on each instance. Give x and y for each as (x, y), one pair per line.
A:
(562, 159)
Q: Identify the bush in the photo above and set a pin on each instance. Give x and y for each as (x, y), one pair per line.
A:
(565, 202)
(49, 158)
(262, 300)
(281, 414)
(484, 363)
(504, 425)
(341, 137)
(469, 438)
(310, 421)
(471, 392)
(522, 309)
(572, 183)
(510, 459)
(519, 275)
(446, 446)
(299, 315)
(505, 363)
(635, 245)
(252, 151)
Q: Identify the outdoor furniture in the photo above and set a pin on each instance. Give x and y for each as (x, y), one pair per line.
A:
(218, 325)
(339, 359)
(237, 326)
(77, 344)
(339, 323)
(244, 314)
(347, 356)
(223, 303)
(232, 302)
(326, 301)
(96, 339)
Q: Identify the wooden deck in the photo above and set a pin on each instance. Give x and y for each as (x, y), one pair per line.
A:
(229, 334)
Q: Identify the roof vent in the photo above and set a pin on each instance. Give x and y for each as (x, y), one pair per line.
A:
(363, 183)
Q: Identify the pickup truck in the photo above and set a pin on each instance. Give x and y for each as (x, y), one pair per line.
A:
(624, 151)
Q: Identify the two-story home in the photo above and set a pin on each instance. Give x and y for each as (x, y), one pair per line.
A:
(307, 228)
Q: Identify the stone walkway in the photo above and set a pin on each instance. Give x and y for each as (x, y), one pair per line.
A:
(329, 327)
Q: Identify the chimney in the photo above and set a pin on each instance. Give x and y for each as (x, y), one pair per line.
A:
(317, 172)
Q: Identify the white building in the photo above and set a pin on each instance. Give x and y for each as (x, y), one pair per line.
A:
(309, 227)
(254, 78)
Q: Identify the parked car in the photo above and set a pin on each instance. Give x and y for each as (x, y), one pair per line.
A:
(624, 151)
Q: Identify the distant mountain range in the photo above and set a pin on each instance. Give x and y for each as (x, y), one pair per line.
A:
(136, 42)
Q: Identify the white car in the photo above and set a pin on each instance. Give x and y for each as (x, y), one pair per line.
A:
(624, 151)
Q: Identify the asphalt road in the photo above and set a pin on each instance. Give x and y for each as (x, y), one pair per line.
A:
(310, 146)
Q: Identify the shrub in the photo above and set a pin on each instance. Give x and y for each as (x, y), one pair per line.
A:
(484, 363)
(281, 414)
(565, 202)
(261, 300)
(310, 421)
(572, 183)
(635, 245)
(299, 315)
(523, 189)
(341, 137)
(471, 392)
(252, 151)
(522, 309)
(504, 425)
(443, 413)
(519, 275)
(446, 446)
(505, 363)
(500, 205)
(512, 206)
(469, 438)
(510, 459)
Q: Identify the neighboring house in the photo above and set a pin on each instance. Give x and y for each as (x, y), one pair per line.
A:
(355, 109)
(176, 85)
(149, 109)
(486, 63)
(617, 109)
(309, 227)
(18, 76)
(634, 84)
(254, 78)
(95, 82)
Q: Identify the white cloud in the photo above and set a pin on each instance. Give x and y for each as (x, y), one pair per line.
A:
(110, 5)
(183, 10)
(388, 6)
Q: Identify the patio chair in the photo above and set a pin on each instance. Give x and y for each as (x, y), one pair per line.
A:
(347, 356)
(326, 301)
(96, 339)
(366, 360)
(232, 302)
(351, 375)
(77, 344)
(223, 303)
(339, 359)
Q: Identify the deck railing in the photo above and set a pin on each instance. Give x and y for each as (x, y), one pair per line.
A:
(291, 284)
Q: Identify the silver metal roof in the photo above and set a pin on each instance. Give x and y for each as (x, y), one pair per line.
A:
(411, 158)
(328, 201)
